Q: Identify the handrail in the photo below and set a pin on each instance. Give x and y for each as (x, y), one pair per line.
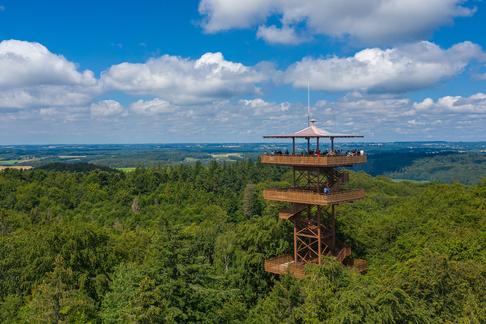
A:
(312, 197)
(313, 160)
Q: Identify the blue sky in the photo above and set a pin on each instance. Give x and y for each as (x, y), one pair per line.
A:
(232, 71)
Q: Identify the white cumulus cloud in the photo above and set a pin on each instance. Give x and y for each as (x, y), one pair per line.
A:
(31, 75)
(404, 68)
(372, 21)
(183, 80)
(152, 107)
(106, 108)
(474, 104)
(285, 35)
(262, 107)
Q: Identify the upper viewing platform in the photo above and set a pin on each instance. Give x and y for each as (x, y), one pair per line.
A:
(314, 157)
(314, 160)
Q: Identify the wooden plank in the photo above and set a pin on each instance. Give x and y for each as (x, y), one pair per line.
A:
(287, 214)
(313, 160)
(311, 197)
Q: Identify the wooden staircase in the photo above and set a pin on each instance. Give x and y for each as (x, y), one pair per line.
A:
(287, 214)
(343, 254)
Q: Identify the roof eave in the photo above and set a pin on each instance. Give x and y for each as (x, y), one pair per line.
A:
(313, 136)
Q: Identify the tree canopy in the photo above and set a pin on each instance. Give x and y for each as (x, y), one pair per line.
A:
(186, 243)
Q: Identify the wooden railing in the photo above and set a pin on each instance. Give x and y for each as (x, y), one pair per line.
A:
(284, 265)
(360, 265)
(343, 253)
(313, 160)
(312, 197)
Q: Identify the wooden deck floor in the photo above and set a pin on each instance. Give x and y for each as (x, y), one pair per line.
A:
(284, 264)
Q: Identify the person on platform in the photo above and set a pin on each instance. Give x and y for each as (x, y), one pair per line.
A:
(327, 190)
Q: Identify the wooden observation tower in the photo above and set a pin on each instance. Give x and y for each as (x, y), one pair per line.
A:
(317, 188)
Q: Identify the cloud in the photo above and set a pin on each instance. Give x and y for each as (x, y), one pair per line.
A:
(226, 14)
(261, 107)
(106, 108)
(152, 107)
(474, 104)
(376, 21)
(285, 35)
(32, 75)
(63, 114)
(404, 68)
(36, 96)
(393, 117)
(26, 64)
(183, 80)
(377, 117)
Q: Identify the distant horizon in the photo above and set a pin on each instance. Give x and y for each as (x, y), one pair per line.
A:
(263, 142)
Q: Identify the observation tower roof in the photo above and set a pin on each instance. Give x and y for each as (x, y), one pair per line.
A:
(312, 131)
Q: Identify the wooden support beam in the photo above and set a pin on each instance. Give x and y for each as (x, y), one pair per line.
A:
(319, 235)
(295, 243)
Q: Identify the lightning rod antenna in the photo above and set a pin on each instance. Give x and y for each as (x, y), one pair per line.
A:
(308, 104)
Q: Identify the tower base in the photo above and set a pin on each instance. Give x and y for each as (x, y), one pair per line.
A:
(285, 264)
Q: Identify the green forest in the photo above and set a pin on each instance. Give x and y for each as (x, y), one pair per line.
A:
(186, 243)
(463, 168)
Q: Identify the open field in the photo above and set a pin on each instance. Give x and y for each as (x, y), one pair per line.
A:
(226, 155)
(126, 169)
(9, 162)
(410, 180)
(15, 167)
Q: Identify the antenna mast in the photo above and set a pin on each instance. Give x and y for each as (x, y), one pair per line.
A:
(308, 104)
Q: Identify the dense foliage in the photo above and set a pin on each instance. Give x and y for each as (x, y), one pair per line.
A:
(186, 243)
(464, 168)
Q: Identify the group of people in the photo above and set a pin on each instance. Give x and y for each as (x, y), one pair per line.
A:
(319, 153)
(354, 153)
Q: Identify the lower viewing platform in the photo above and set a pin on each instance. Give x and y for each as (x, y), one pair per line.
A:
(312, 197)
(312, 160)
(285, 264)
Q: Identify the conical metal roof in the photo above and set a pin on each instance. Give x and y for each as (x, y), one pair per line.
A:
(312, 131)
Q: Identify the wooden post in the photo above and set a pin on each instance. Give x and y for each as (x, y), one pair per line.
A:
(293, 145)
(318, 235)
(295, 185)
(317, 149)
(332, 144)
(308, 179)
(308, 145)
(333, 225)
(295, 241)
